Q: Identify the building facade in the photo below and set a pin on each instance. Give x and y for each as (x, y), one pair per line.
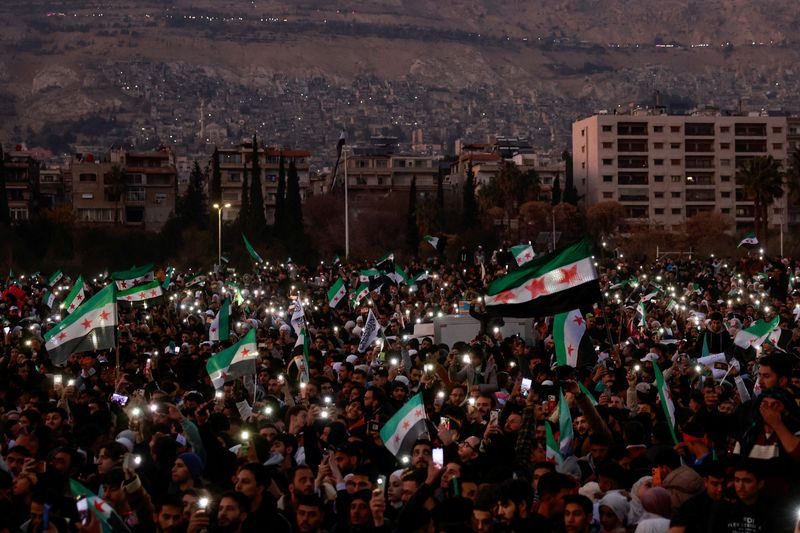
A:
(236, 162)
(667, 168)
(131, 188)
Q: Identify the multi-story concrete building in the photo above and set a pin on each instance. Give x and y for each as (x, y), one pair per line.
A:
(667, 168)
(133, 188)
(237, 161)
(375, 170)
(21, 173)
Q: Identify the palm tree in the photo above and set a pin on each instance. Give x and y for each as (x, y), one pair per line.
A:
(762, 180)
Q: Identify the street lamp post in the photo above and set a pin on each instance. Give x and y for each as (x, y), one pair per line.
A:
(219, 209)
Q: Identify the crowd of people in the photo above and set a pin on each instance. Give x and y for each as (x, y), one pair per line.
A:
(142, 428)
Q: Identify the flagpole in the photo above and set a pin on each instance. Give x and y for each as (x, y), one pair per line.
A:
(346, 209)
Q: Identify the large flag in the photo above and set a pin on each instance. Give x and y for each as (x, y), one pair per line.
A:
(438, 243)
(55, 278)
(365, 276)
(251, 250)
(369, 333)
(399, 276)
(522, 253)
(108, 518)
(339, 145)
(405, 427)
(749, 240)
(234, 362)
(568, 330)
(755, 335)
(336, 293)
(126, 279)
(141, 292)
(220, 328)
(666, 400)
(75, 297)
(91, 327)
(565, 433)
(547, 285)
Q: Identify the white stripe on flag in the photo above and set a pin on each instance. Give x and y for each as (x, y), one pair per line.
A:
(557, 280)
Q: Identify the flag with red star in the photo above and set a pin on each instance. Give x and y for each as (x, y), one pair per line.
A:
(142, 292)
(108, 518)
(232, 363)
(135, 276)
(405, 427)
(568, 331)
(91, 327)
(75, 297)
(522, 253)
(546, 285)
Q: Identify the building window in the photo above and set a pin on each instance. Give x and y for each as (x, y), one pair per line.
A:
(605, 145)
(777, 146)
(675, 162)
(676, 210)
(658, 179)
(87, 196)
(18, 213)
(659, 210)
(676, 179)
(608, 162)
(658, 146)
(583, 164)
(676, 194)
(724, 162)
(725, 178)
(675, 146)
(608, 195)
(726, 210)
(726, 194)
(658, 162)
(675, 129)
(725, 146)
(778, 210)
(235, 176)
(87, 177)
(658, 129)
(160, 197)
(659, 195)
(777, 129)
(608, 129)
(724, 129)
(608, 179)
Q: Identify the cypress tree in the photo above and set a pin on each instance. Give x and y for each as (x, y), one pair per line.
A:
(244, 209)
(439, 200)
(412, 232)
(570, 192)
(280, 198)
(258, 220)
(556, 190)
(294, 207)
(192, 209)
(469, 207)
(216, 178)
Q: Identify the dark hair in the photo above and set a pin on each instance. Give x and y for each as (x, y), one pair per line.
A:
(668, 457)
(580, 500)
(778, 363)
(311, 500)
(422, 442)
(169, 500)
(552, 483)
(242, 501)
(296, 469)
(515, 490)
(750, 465)
(259, 472)
(287, 439)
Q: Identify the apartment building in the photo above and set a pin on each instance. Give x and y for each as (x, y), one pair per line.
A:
(21, 173)
(237, 161)
(132, 188)
(375, 170)
(667, 168)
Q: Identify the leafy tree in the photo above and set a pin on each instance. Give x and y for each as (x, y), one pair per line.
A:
(192, 209)
(280, 197)
(244, 208)
(604, 218)
(215, 193)
(5, 215)
(509, 189)
(762, 180)
(469, 211)
(570, 192)
(556, 190)
(258, 220)
(412, 232)
(294, 206)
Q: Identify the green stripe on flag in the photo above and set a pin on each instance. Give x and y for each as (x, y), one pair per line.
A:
(666, 400)
(251, 250)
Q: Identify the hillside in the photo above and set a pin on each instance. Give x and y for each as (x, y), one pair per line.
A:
(296, 72)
